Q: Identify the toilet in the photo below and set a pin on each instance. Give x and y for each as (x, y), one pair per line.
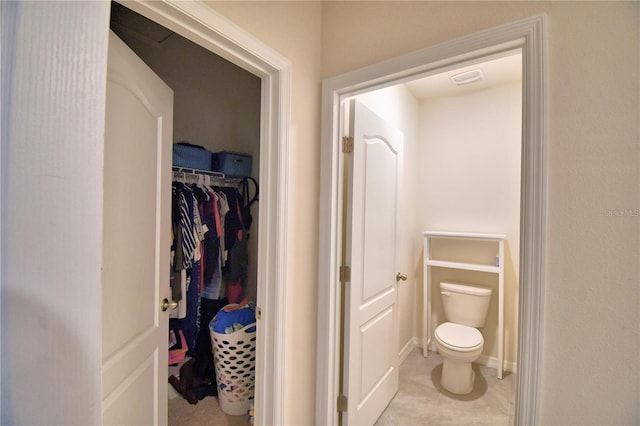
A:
(458, 340)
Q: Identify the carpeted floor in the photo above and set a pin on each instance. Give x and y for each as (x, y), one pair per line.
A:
(206, 412)
(420, 400)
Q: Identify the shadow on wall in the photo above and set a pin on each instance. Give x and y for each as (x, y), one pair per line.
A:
(44, 368)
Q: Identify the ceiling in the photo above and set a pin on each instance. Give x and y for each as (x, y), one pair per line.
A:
(497, 69)
(500, 69)
(127, 21)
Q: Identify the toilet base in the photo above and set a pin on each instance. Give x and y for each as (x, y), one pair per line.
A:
(457, 377)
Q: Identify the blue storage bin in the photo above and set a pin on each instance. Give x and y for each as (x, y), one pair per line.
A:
(232, 163)
(192, 156)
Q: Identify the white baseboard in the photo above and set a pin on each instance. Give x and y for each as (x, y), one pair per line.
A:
(406, 350)
(492, 362)
(486, 360)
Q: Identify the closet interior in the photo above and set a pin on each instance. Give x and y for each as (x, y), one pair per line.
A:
(214, 214)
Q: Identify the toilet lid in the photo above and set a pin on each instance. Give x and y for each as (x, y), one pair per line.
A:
(458, 336)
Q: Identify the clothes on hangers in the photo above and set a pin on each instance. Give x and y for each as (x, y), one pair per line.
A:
(209, 256)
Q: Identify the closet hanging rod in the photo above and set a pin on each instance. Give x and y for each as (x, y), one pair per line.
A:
(217, 178)
(198, 172)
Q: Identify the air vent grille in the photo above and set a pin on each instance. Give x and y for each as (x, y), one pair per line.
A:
(467, 77)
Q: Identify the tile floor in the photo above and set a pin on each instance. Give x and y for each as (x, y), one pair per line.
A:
(421, 400)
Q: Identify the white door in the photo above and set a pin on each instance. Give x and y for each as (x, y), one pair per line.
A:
(371, 341)
(136, 241)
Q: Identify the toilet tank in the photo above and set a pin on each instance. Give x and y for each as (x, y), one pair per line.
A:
(465, 304)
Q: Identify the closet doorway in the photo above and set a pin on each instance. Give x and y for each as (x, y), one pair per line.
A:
(216, 103)
(227, 106)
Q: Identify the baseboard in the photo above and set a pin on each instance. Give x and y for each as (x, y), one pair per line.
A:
(486, 360)
(492, 362)
(406, 350)
(419, 342)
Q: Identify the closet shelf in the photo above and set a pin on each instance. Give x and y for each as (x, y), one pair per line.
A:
(207, 177)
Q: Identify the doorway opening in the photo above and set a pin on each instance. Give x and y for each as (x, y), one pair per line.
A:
(270, 117)
(216, 107)
(527, 35)
(460, 173)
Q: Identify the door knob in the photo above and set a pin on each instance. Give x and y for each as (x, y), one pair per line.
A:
(168, 305)
(401, 277)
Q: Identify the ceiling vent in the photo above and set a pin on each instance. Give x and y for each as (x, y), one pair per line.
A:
(468, 77)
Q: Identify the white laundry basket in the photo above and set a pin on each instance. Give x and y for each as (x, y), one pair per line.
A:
(234, 356)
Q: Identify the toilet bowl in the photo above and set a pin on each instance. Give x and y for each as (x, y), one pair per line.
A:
(459, 346)
(458, 340)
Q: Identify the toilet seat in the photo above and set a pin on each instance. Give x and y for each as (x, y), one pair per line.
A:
(458, 337)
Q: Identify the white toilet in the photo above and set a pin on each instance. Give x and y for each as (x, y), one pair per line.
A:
(458, 340)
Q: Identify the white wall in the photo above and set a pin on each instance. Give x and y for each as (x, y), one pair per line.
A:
(52, 157)
(470, 182)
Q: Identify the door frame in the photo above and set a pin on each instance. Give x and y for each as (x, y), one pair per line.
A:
(528, 34)
(202, 25)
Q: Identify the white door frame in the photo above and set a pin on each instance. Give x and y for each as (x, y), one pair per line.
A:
(202, 25)
(529, 35)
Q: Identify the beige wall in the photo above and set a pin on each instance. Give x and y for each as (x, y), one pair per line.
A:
(216, 103)
(470, 181)
(490, 202)
(591, 314)
(293, 29)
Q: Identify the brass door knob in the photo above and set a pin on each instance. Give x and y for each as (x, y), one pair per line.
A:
(401, 277)
(168, 305)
